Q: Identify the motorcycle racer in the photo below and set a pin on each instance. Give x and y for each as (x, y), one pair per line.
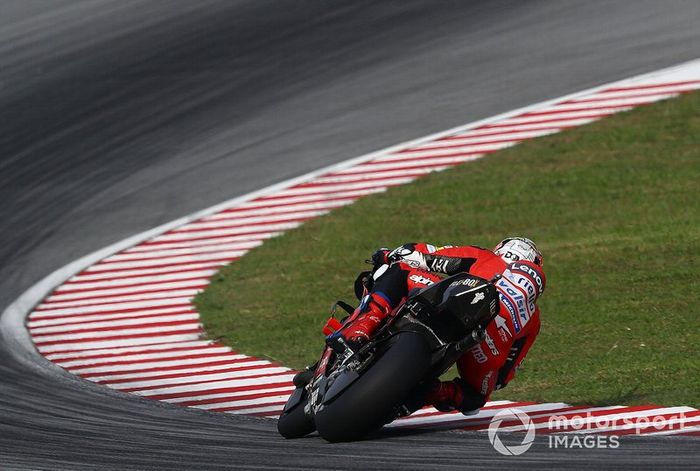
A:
(489, 365)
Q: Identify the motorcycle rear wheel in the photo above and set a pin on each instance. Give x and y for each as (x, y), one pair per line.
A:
(368, 403)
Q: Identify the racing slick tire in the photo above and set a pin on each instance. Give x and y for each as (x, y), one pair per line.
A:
(294, 423)
(369, 403)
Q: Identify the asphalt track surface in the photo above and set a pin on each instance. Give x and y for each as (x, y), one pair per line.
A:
(118, 116)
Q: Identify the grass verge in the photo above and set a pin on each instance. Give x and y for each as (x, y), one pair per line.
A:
(615, 207)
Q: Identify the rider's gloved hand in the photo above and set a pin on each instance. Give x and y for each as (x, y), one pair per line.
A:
(408, 255)
(380, 257)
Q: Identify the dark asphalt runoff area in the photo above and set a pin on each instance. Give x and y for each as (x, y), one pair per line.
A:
(118, 116)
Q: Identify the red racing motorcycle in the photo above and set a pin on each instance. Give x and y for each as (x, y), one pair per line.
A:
(353, 391)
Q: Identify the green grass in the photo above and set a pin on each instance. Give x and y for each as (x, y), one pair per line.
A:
(614, 206)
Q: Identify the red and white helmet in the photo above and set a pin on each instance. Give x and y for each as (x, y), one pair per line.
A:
(513, 249)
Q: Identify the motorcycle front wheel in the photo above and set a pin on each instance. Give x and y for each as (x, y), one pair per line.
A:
(294, 423)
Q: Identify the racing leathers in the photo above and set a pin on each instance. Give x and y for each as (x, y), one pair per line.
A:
(487, 366)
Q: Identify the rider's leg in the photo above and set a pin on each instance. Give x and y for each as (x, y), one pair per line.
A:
(390, 288)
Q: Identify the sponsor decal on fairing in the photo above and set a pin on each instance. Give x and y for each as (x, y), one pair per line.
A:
(478, 297)
(468, 282)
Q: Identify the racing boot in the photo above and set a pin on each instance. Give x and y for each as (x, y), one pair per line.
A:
(457, 394)
(445, 396)
(375, 309)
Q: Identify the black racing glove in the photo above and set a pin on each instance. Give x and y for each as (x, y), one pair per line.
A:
(379, 257)
(471, 398)
(417, 398)
(456, 394)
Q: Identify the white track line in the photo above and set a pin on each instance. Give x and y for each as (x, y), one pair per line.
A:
(203, 387)
(109, 307)
(109, 354)
(72, 287)
(114, 359)
(281, 209)
(245, 367)
(218, 398)
(198, 235)
(131, 342)
(117, 300)
(100, 316)
(113, 292)
(172, 252)
(113, 324)
(128, 275)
